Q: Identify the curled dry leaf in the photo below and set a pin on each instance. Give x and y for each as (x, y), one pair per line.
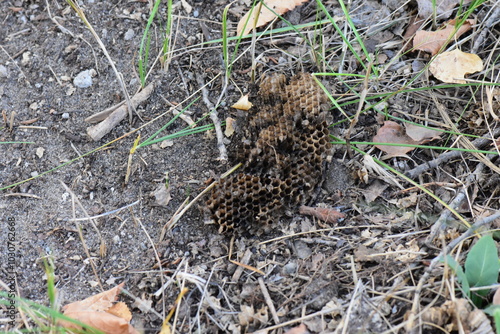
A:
(265, 16)
(455, 315)
(433, 41)
(162, 195)
(248, 316)
(451, 67)
(325, 214)
(242, 103)
(393, 133)
(99, 312)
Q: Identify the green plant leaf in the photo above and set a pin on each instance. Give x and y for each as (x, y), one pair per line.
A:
(494, 311)
(457, 269)
(481, 265)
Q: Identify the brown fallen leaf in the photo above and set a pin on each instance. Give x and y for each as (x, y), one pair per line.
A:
(393, 133)
(433, 41)
(265, 16)
(451, 67)
(325, 214)
(413, 26)
(243, 103)
(99, 312)
(422, 135)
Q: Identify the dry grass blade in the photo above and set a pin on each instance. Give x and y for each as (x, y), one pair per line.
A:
(80, 233)
(462, 139)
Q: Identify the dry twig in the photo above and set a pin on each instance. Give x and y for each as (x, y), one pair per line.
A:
(478, 144)
(485, 28)
(268, 300)
(215, 118)
(98, 131)
(440, 224)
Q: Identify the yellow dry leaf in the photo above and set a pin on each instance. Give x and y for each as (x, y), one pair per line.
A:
(451, 67)
(229, 127)
(433, 41)
(243, 103)
(265, 15)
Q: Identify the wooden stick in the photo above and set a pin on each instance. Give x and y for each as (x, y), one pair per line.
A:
(98, 131)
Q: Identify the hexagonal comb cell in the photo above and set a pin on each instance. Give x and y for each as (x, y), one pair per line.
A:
(283, 142)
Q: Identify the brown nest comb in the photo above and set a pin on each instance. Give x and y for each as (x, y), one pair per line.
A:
(283, 143)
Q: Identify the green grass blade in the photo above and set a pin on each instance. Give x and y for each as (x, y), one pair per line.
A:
(150, 141)
(30, 307)
(341, 142)
(145, 43)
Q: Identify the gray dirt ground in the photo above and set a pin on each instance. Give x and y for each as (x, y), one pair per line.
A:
(304, 274)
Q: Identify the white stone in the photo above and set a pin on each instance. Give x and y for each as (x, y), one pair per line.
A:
(84, 79)
(3, 72)
(129, 34)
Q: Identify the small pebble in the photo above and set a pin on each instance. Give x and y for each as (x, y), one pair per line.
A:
(23, 19)
(65, 115)
(417, 66)
(303, 251)
(129, 34)
(26, 58)
(196, 13)
(290, 268)
(84, 79)
(34, 174)
(3, 72)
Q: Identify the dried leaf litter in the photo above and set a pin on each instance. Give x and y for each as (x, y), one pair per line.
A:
(284, 145)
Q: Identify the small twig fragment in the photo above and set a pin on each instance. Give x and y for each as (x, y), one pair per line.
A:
(215, 119)
(98, 131)
(102, 115)
(268, 300)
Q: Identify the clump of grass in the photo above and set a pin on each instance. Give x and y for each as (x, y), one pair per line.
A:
(45, 318)
(145, 44)
(144, 48)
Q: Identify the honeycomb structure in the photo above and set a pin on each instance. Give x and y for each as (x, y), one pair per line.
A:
(283, 143)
